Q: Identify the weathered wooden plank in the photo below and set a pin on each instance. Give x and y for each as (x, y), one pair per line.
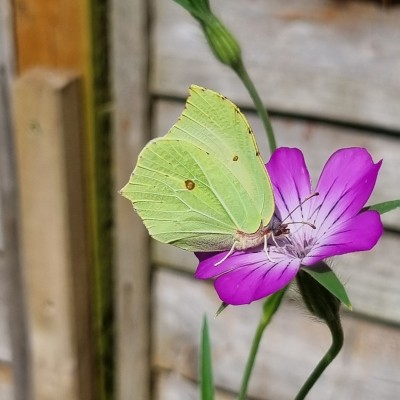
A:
(368, 365)
(52, 34)
(172, 386)
(129, 76)
(6, 40)
(14, 382)
(53, 234)
(72, 35)
(325, 59)
(6, 61)
(6, 382)
(371, 277)
(5, 345)
(1, 228)
(317, 141)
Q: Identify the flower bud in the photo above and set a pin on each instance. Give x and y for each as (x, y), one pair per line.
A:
(224, 46)
(319, 301)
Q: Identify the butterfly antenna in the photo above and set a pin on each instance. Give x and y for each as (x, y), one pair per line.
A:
(302, 222)
(297, 207)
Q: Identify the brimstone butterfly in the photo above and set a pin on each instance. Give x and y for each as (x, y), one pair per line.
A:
(203, 186)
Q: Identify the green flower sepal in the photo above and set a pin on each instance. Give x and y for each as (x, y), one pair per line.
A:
(224, 46)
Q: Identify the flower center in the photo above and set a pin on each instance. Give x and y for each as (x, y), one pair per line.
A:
(295, 244)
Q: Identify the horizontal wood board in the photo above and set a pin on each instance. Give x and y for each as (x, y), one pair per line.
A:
(330, 60)
(172, 386)
(367, 367)
(371, 279)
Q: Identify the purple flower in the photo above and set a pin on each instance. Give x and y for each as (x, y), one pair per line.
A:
(341, 226)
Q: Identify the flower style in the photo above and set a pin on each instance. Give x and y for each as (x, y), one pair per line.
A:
(341, 226)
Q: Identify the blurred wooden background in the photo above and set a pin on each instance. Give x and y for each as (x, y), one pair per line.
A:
(328, 72)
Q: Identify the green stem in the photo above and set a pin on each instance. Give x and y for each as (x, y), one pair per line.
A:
(262, 112)
(271, 305)
(337, 343)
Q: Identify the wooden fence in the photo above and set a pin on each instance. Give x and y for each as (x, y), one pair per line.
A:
(329, 73)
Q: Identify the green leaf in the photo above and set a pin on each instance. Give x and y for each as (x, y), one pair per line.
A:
(206, 375)
(221, 308)
(327, 278)
(385, 207)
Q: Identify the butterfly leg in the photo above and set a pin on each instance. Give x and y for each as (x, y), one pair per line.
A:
(266, 247)
(276, 243)
(230, 252)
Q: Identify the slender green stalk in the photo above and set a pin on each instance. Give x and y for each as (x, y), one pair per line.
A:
(337, 343)
(206, 374)
(262, 112)
(271, 305)
(227, 50)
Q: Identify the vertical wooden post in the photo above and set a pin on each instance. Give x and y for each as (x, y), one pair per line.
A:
(11, 285)
(72, 34)
(53, 233)
(130, 45)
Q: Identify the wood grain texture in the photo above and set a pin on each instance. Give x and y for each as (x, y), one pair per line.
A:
(7, 53)
(7, 391)
(52, 34)
(371, 278)
(73, 35)
(173, 386)
(324, 59)
(5, 342)
(367, 367)
(7, 211)
(14, 382)
(132, 272)
(53, 234)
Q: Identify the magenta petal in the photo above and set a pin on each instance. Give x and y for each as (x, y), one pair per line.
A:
(247, 284)
(291, 182)
(207, 269)
(248, 276)
(356, 234)
(344, 187)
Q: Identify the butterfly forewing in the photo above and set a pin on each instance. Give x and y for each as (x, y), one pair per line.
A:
(212, 122)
